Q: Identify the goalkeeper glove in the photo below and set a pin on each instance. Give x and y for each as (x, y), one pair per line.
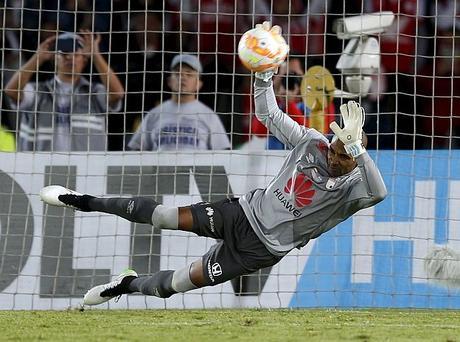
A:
(352, 132)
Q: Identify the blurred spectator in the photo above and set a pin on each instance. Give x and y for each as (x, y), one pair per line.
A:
(183, 122)
(214, 27)
(146, 65)
(66, 112)
(291, 16)
(399, 47)
(438, 90)
(10, 61)
(69, 16)
(142, 46)
(398, 43)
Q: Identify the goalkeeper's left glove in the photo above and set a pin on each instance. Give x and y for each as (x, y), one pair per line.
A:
(352, 132)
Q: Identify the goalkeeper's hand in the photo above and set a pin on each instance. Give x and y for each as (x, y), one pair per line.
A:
(352, 132)
(276, 31)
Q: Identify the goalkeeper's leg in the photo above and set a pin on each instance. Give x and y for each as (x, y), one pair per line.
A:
(135, 209)
(215, 267)
(162, 284)
(220, 220)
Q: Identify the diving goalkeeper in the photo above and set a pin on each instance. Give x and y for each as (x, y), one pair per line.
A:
(319, 185)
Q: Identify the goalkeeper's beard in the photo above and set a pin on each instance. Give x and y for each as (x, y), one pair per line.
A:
(335, 171)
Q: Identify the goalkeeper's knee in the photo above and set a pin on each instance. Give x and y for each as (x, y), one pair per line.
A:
(165, 217)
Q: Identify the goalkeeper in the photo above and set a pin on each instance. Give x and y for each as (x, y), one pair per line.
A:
(319, 185)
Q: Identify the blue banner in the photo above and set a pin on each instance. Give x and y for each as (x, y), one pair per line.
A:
(327, 279)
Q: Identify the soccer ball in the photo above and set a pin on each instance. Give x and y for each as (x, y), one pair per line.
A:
(262, 50)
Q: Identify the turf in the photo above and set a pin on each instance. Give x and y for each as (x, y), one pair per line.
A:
(231, 325)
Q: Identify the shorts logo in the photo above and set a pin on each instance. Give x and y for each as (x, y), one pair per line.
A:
(210, 213)
(130, 207)
(216, 270)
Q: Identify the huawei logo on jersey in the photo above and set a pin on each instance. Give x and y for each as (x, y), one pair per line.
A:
(301, 189)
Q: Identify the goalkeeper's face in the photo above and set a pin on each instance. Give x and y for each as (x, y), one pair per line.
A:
(339, 162)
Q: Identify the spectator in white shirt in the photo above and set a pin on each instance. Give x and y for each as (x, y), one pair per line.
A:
(182, 122)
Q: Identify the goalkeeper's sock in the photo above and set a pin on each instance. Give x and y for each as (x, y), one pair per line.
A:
(138, 209)
(163, 284)
(134, 209)
(158, 285)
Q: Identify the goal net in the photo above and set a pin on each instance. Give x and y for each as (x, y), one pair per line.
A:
(50, 256)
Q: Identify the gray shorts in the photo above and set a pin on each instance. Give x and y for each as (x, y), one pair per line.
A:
(239, 252)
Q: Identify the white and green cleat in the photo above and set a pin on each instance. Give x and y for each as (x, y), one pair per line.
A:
(105, 292)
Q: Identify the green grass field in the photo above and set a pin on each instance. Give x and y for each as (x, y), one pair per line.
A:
(231, 325)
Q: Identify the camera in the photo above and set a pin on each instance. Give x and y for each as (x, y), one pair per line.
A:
(363, 25)
(361, 57)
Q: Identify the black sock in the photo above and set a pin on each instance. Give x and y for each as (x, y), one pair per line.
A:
(135, 209)
(159, 284)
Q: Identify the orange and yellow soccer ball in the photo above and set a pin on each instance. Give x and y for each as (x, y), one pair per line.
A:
(262, 50)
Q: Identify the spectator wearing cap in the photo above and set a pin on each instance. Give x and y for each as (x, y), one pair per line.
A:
(182, 122)
(66, 112)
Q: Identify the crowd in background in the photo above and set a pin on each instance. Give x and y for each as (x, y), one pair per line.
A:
(413, 101)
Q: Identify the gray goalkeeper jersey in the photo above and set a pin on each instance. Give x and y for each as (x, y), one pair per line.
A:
(303, 201)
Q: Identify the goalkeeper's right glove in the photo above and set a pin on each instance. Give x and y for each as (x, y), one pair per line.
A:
(352, 132)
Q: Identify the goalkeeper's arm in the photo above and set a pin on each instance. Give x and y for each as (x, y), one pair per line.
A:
(351, 135)
(376, 188)
(286, 130)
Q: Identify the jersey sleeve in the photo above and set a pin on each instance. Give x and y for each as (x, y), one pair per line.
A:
(283, 127)
(372, 180)
(218, 135)
(141, 140)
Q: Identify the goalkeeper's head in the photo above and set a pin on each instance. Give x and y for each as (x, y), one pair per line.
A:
(338, 160)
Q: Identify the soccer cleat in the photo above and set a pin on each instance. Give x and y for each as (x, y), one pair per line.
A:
(62, 197)
(103, 293)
